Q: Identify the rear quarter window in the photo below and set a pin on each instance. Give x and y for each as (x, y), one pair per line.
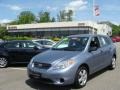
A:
(105, 41)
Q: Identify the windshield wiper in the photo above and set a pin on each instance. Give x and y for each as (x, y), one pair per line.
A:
(69, 49)
(57, 49)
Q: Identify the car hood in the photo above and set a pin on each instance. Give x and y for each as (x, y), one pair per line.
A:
(54, 56)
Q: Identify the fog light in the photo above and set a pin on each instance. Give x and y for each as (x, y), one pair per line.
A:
(62, 80)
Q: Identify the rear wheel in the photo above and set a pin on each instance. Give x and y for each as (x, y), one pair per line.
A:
(81, 77)
(113, 63)
(3, 62)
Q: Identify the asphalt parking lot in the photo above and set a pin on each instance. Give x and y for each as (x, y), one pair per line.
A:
(15, 78)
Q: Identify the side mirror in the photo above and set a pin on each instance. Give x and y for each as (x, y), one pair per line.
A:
(92, 49)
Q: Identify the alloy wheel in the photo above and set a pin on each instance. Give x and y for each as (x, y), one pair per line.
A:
(113, 63)
(82, 78)
(3, 62)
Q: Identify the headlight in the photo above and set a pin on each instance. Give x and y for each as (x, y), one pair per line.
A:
(31, 62)
(63, 64)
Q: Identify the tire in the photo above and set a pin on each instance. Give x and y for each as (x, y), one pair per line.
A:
(81, 77)
(3, 62)
(113, 64)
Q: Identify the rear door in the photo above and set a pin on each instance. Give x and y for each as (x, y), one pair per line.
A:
(106, 48)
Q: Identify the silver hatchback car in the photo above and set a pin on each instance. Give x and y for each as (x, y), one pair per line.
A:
(73, 59)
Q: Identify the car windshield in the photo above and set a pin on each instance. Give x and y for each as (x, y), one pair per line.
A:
(72, 44)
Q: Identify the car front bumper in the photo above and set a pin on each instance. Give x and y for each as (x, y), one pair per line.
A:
(59, 77)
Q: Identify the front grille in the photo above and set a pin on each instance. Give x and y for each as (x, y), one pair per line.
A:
(42, 65)
(40, 79)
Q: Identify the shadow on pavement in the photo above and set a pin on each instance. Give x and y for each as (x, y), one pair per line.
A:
(40, 86)
(95, 75)
(18, 65)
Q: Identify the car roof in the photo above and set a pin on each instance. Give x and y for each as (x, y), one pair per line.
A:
(12, 41)
(87, 35)
(19, 40)
(42, 40)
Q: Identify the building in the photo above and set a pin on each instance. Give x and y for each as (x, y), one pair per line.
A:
(59, 29)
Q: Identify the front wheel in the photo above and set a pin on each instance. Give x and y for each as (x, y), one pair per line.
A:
(113, 63)
(81, 77)
(3, 62)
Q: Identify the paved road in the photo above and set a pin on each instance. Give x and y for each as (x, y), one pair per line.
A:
(15, 78)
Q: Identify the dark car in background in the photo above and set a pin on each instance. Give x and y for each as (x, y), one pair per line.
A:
(20, 51)
(1, 41)
(45, 42)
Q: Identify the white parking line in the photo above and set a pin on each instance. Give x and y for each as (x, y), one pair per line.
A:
(19, 69)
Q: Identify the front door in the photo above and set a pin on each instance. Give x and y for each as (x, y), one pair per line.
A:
(96, 57)
(14, 51)
(29, 50)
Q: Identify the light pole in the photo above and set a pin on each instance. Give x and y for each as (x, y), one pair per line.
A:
(96, 13)
(93, 12)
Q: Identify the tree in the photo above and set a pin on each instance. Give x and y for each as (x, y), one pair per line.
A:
(61, 16)
(3, 32)
(26, 17)
(65, 15)
(115, 30)
(70, 15)
(15, 22)
(44, 17)
(53, 19)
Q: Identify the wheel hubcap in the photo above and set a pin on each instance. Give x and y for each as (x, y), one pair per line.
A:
(82, 77)
(113, 62)
(3, 62)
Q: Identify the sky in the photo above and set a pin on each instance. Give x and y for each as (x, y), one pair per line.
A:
(83, 9)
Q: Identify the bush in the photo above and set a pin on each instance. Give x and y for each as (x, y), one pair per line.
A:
(16, 38)
(56, 39)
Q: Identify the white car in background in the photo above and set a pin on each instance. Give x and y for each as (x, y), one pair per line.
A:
(1, 41)
(45, 42)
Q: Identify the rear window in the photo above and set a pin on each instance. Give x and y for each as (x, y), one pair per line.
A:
(12, 45)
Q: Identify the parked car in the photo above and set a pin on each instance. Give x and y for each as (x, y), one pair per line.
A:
(18, 52)
(45, 42)
(113, 39)
(1, 41)
(116, 39)
(73, 59)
